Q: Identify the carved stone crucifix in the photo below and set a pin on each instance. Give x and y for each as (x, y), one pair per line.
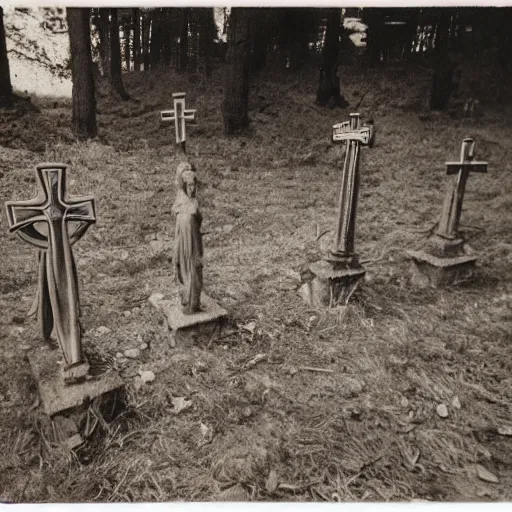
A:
(354, 135)
(58, 286)
(179, 116)
(452, 207)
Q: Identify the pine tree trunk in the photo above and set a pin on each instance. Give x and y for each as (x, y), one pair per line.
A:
(328, 92)
(104, 46)
(126, 36)
(146, 25)
(156, 39)
(207, 33)
(5, 76)
(84, 101)
(183, 60)
(136, 40)
(115, 57)
(236, 88)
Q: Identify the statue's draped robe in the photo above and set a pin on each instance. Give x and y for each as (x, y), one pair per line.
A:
(188, 251)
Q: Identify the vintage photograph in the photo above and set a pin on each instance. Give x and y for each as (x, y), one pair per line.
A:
(255, 254)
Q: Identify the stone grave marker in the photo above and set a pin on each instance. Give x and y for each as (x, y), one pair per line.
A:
(192, 316)
(332, 280)
(53, 223)
(445, 259)
(179, 117)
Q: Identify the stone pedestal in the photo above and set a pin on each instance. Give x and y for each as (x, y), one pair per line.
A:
(429, 270)
(329, 286)
(196, 329)
(443, 261)
(56, 396)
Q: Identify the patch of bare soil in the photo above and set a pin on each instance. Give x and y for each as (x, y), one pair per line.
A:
(408, 393)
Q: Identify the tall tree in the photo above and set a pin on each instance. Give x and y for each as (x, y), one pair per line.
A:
(329, 91)
(5, 76)
(236, 85)
(146, 26)
(84, 101)
(136, 39)
(183, 59)
(115, 57)
(104, 32)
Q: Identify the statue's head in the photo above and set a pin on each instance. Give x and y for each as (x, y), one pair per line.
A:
(186, 178)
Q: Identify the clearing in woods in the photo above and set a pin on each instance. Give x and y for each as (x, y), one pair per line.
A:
(213, 425)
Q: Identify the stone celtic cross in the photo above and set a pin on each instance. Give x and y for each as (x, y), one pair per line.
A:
(354, 135)
(65, 220)
(179, 116)
(452, 207)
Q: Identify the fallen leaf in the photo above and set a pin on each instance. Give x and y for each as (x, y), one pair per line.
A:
(486, 475)
(272, 482)
(258, 358)
(180, 404)
(442, 410)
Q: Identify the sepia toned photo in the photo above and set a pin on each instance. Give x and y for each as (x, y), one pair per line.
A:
(255, 254)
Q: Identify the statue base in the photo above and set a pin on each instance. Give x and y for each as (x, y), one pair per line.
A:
(331, 284)
(57, 396)
(428, 270)
(203, 327)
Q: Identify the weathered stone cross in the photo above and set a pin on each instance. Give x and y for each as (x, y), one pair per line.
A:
(350, 132)
(179, 116)
(452, 207)
(58, 286)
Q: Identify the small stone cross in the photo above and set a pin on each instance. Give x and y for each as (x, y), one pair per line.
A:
(59, 306)
(452, 207)
(179, 116)
(355, 135)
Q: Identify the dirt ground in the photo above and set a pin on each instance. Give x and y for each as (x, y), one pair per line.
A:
(366, 428)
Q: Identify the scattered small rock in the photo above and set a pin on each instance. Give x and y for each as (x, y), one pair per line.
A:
(101, 330)
(250, 327)
(119, 355)
(456, 402)
(272, 482)
(127, 313)
(157, 245)
(442, 411)
(404, 402)
(143, 346)
(124, 255)
(505, 430)
(180, 404)
(132, 353)
(486, 475)
(247, 412)
(147, 376)
(206, 433)
(24, 347)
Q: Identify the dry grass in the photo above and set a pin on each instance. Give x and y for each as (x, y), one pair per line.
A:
(367, 430)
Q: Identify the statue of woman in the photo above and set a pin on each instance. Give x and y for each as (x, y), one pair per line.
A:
(188, 244)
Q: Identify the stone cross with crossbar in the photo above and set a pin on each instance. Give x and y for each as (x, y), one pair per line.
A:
(59, 306)
(354, 135)
(452, 207)
(179, 116)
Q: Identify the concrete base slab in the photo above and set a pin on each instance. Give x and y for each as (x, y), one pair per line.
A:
(56, 396)
(189, 330)
(330, 287)
(428, 270)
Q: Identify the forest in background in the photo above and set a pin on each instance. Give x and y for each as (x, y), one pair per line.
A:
(455, 44)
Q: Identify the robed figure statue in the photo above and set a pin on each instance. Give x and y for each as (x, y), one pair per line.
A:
(188, 244)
